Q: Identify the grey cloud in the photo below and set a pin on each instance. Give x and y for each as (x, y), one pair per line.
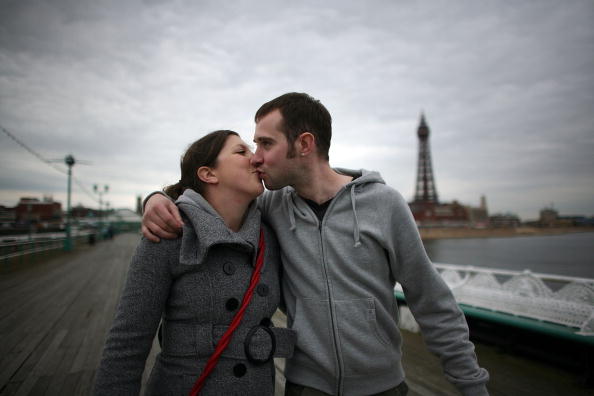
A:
(507, 87)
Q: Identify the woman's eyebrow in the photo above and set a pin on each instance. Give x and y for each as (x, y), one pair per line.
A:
(243, 146)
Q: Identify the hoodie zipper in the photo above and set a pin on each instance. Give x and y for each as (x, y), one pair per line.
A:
(332, 313)
(333, 320)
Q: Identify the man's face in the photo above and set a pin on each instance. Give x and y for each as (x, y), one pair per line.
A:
(270, 158)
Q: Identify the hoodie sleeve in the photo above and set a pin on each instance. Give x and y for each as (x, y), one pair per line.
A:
(151, 195)
(137, 317)
(442, 323)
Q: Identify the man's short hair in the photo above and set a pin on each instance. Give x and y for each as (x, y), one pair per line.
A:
(301, 113)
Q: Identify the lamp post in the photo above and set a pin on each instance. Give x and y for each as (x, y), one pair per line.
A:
(70, 161)
(100, 192)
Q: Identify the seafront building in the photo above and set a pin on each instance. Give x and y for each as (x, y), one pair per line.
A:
(32, 214)
(427, 210)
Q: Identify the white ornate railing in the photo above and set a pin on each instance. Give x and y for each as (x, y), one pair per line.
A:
(524, 294)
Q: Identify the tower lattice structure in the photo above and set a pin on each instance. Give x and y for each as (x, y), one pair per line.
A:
(425, 191)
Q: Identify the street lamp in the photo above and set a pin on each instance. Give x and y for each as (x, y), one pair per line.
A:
(69, 160)
(100, 192)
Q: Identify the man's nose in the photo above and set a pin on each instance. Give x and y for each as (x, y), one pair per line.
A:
(256, 159)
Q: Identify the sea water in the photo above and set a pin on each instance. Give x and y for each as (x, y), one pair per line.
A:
(568, 254)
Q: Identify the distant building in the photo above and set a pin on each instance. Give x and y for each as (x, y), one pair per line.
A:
(7, 217)
(440, 215)
(139, 204)
(426, 208)
(38, 214)
(81, 212)
(548, 217)
(504, 220)
(583, 221)
(478, 217)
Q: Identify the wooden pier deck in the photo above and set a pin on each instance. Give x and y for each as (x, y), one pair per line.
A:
(55, 315)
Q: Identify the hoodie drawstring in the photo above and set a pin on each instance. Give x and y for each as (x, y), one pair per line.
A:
(356, 232)
(356, 228)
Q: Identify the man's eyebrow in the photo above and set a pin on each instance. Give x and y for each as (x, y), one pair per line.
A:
(263, 139)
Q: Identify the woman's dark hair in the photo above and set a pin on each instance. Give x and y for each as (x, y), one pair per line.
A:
(203, 152)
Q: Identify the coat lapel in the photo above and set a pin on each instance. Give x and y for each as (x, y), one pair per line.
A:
(204, 228)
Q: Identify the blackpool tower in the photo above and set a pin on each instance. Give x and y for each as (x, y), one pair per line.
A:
(425, 191)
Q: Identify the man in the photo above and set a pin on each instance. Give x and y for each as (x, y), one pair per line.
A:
(345, 239)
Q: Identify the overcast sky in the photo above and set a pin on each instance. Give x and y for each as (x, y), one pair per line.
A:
(507, 88)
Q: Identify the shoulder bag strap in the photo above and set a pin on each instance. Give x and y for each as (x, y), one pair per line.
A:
(226, 338)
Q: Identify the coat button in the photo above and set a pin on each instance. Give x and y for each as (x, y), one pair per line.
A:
(239, 370)
(262, 289)
(232, 304)
(229, 268)
(265, 322)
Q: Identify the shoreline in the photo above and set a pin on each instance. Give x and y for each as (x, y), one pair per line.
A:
(428, 234)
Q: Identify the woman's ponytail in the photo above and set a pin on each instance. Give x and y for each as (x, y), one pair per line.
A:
(174, 190)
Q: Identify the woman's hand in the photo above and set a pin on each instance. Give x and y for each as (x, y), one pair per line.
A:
(161, 219)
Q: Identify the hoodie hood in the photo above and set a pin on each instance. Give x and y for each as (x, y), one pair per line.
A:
(204, 228)
(361, 179)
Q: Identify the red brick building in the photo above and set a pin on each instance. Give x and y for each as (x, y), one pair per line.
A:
(44, 213)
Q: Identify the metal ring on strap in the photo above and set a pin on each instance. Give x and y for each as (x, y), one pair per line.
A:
(248, 339)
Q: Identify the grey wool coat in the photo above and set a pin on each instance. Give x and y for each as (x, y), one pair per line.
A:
(195, 285)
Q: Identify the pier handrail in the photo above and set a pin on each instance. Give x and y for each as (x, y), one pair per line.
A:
(39, 243)
(523, 294)
(499, 271)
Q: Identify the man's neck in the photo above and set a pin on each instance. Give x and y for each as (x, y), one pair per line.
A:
(320, 182)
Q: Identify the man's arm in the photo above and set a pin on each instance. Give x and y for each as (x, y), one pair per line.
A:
(161, 218)
(443, 325)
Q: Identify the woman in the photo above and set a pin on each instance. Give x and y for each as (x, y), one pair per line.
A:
(195, 284)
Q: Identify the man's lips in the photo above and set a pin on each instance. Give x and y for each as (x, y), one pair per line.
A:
(260, 174)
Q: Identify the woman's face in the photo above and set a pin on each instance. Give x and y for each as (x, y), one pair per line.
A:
(234, 171)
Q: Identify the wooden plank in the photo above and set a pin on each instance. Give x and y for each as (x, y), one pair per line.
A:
(70, 383)
(14, 361)
(69, 302)
(36, 375)
(85, 384)
(39, 387)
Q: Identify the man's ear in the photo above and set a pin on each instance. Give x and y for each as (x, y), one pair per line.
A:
(207, 175)
(305, 144)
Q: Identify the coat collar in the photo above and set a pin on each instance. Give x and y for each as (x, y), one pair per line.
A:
(204, 228)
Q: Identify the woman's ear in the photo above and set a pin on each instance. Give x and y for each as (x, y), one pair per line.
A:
(206, 174)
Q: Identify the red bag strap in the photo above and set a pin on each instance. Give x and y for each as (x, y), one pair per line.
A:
(226, 338)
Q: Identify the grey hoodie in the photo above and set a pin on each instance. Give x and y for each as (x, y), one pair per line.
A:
(338, 287)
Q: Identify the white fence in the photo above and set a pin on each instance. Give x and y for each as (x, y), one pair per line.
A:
(524, 294)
